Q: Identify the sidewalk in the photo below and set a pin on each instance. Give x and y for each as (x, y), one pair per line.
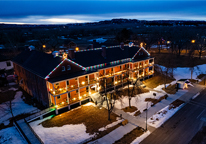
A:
(140, 120)
(27, 131)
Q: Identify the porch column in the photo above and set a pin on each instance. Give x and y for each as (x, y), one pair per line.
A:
(88, 79)
(78, 82)
(114, 83)
(56, 110)
(122, 80)
(53, 87)
(66, 85)
(89, 90)
(68, 98)
(95, 77)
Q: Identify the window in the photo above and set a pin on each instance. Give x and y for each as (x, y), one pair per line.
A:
(67, 82)
(58, 97)
(8, 63)
(63, 68)
(68, 67)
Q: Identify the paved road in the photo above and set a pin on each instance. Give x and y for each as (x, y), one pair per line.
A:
(181, 128)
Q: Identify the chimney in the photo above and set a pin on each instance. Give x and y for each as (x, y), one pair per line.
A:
(71, 54)
(122, 45)
(91, 46)
(104, 51)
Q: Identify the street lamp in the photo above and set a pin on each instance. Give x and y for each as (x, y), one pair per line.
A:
(44, 46)
(192, 41)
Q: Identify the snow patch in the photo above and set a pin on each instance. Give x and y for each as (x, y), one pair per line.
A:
(137, 101)
(111, 125)
(195, 95)
(162, 116)
(19, 107)
(89, 104)
(12, 83)
(11, 136)
(72, 134)
(141, 138)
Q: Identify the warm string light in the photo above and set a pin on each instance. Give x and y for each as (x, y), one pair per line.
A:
(83, 68)
(139, 50)
(97, 48)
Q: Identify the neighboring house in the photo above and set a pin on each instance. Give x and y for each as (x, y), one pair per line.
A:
(5, 63)
(64, 80)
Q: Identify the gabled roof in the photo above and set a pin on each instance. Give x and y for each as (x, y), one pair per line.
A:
(42, 64)
(37, 62)
(94, 57)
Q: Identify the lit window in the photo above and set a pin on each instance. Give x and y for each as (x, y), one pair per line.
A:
(63, 68)
(68, 67)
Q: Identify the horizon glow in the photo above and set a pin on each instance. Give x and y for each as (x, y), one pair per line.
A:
(82, 11)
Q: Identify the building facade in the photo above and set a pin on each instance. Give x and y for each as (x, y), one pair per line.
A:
(64, 79)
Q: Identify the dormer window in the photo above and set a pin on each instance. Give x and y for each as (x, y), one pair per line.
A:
(63, 68)
(68, 67)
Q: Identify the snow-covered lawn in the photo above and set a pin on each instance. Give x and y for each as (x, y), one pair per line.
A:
(141, 138)
(11, 136)
(72, 134)
(185, 73)
(163, 115)
(137, 101)
(19, 107)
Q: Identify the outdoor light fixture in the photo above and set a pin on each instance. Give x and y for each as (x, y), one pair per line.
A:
(85, 95)
(115, 82)
(77, 49)
(50, 89)
(192, 41)
(64, 55)
(60, 89)
(89, 92)
(53, 92)
(80, 97)
(44, 46)
(83, 83)
(72, 86)
(74, 98)
(62, 102)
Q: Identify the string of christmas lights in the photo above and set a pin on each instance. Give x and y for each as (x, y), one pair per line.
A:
(83, 68)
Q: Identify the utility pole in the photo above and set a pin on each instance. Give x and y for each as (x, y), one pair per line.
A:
(146, 116)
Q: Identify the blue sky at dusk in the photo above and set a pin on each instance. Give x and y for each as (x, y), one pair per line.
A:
(66, 11)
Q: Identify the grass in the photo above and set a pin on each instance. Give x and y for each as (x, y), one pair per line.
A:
(130, 109)
(92, 117)
(175, 104)
(131, 136)
(137, 90)
(7, 96)
(170, 89)
(156, 81)
(155, 101)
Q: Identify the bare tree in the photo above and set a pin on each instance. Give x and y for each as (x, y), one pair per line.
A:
(165, 73)
(7, 106)
(110, 98)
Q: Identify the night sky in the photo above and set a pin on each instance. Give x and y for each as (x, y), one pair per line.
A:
(66, 11)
